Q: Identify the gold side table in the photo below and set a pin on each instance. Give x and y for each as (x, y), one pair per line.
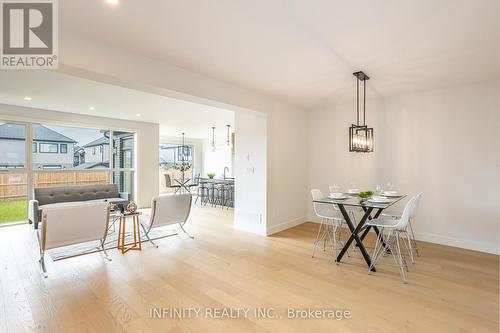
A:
(136, 245)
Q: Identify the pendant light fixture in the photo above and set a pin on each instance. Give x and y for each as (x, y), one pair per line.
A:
(183, 149)
(213, 138)
(228, 141)
(360, 136)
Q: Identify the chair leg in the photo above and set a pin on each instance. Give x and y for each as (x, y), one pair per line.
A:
(147, 236)
(400, 257)
(317, 238)
(414, 245)
(42, 265)
(103, 249)
(409, 246)
(187, 233)
(376, 250)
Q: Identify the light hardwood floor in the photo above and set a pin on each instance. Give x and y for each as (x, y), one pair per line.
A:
(448, 290)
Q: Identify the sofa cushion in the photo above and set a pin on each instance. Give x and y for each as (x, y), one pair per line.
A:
(52, 195)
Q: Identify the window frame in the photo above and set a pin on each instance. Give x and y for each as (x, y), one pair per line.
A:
(28, 159)
(65, 145)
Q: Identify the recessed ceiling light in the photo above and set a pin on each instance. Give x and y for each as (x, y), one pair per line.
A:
(137, 114)
(112, 2)
(27, 98)
(91, 108)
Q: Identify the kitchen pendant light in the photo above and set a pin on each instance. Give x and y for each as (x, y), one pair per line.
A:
(228, 141)
(213, 139)
(360, 136)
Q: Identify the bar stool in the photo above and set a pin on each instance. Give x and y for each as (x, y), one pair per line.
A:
(229, 196)
(202, 192)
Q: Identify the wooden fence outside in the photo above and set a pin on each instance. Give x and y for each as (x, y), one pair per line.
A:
(15, 186)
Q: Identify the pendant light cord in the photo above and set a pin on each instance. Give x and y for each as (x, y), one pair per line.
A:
(357, 101)
(364, 102)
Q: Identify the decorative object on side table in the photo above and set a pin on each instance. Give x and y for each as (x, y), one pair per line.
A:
(211, 175)
(131, 207)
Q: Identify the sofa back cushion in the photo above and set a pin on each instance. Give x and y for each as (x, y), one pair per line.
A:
(51, 195)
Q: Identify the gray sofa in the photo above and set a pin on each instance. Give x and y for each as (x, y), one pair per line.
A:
(56, 196)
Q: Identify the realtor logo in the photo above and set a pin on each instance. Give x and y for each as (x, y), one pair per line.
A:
(29, 34)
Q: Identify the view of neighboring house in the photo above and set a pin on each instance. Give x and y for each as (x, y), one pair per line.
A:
(95, 154)
(51, 150)
(78, 155)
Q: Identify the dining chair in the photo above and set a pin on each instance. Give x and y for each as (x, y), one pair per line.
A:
(168, 182)
(331, 222)
(167, 210)
(350, 209)
(394, 229)
(412, 243)
(73, 223)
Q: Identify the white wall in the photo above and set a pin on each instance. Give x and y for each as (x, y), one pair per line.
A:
(147, 141)
(446, 143)
(250, 173)
(286, 135)
(330, 161)
(216, 161)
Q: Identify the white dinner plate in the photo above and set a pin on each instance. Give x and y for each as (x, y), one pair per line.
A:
(379, 200)
(337, 197)
(390, 194)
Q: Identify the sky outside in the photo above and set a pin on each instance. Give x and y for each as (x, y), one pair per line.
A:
(81, 135)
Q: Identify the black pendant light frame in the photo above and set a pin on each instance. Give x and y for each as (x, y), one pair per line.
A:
(360, 136)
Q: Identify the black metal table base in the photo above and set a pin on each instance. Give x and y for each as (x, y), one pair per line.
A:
(355, 233)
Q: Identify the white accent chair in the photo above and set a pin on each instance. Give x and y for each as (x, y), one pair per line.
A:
(412, 243)
(167, 210)
(72, 223)
(331, 223)
(394, 229)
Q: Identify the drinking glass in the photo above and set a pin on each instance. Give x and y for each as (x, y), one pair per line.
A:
(335, 188)
(389, 186)
(378, 188)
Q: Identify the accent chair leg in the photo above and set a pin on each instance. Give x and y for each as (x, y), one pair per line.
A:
(147, 236)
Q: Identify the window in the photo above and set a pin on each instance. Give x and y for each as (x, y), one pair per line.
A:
(13, 175)
(74, 145)
(60, 156)
(12, 146)
(49, 148)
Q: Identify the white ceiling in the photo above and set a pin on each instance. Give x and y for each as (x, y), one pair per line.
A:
(304, 51)
(55, 91)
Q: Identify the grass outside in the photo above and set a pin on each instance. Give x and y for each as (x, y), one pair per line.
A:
(13, 210)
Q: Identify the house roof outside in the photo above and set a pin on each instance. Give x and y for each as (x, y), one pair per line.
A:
(77, 149)
(40, 133)
(98, 142)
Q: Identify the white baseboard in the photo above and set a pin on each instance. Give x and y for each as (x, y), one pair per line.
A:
(286, 225)
(458, 242)
(449, 241)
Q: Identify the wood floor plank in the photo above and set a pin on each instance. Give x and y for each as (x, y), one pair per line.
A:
(448, 290)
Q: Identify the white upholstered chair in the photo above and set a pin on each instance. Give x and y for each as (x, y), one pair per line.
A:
(167, 210)
(72, 223)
